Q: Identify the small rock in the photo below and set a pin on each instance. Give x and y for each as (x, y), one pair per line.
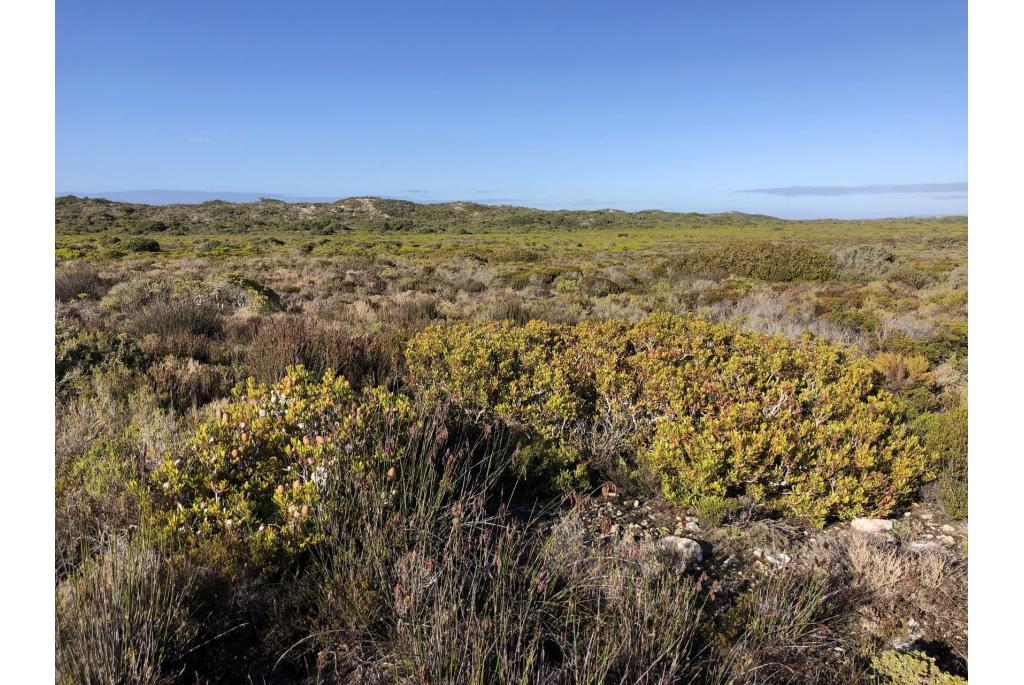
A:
(636, 504)
(777, 558)
(692, 526)
(687, 551)
(926, 516)
(947, 540)
(909, 637)
(922, 545)
(871, 525)
(946, 528)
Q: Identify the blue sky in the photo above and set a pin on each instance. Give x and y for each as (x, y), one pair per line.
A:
(860, 106)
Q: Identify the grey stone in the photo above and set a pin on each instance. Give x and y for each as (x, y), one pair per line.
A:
(686, 551)
(922, 545)
(865, 525)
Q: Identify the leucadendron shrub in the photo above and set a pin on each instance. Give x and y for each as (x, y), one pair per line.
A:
(254, 473)
(805, 428)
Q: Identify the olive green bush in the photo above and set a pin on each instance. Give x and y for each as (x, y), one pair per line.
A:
(136, 244)
(911, 668)
(804, 428)
(254, 472)
(947, 440)
(766, 261)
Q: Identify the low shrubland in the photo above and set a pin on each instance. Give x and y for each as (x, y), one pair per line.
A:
(379, 442)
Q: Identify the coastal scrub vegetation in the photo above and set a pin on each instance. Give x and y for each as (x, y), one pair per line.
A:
(374, 441)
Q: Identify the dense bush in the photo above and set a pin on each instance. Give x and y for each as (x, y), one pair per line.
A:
(864, 261)
(254, 472)
(947, 440)
(287, 340)
(246, 292)
(78, 351)
(135, 244)
(802, 427)
(175, 316)
(184, 383)
(77, 280)
(761, 260)
(912, 668)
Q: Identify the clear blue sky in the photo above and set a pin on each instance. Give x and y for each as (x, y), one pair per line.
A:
(675, 105)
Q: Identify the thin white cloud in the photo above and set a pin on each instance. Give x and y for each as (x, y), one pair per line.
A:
(875, 189)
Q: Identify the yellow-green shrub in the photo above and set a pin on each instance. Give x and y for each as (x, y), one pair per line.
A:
(913, 668)
(803, 427)
(254, 472)
(947, 440)
(766, 261)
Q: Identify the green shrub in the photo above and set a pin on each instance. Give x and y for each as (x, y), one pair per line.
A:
(946, 439)
(78, 351)
(804, 428)
(254, 472)
(137, 244)
(714, 510)
(255, 295)
(761, 260)
(913, 668)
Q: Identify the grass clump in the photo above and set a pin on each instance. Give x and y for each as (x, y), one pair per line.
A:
(122, 618)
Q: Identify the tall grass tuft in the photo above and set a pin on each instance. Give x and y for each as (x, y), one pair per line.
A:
(121, 618)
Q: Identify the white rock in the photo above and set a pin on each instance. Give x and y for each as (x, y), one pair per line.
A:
(692, 526)
(922, 545)
(777, 558)
(947, 540)
(687, 551)
(946, 528)
(871, 525)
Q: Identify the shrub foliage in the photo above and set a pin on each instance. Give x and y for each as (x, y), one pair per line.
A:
(255, 470)
(804, 428)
